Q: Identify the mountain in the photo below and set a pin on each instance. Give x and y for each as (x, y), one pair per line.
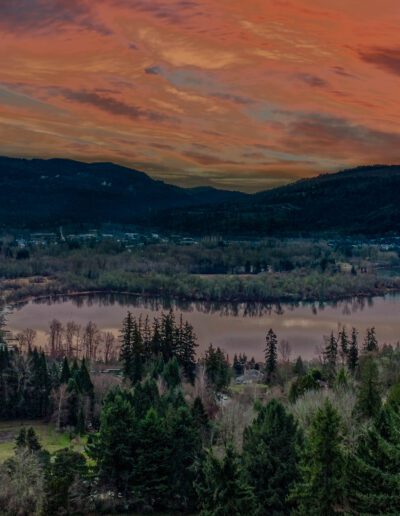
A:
(364, 200)
(36, 193)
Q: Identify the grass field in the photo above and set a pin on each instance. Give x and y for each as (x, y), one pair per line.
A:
(49, 437)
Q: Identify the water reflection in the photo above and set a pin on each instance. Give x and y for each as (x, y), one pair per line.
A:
(250, 309)
(237, 327)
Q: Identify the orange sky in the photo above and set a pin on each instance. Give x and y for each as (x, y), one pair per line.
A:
(232, 93)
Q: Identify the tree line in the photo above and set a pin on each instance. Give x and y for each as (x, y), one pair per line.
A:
(158, 442)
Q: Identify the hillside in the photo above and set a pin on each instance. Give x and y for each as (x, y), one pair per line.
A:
(364, 200)
(39, 193)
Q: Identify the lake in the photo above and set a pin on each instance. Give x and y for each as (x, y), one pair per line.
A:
(235, 328)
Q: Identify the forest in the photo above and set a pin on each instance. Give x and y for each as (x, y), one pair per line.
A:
(265, 270)
(173, 432)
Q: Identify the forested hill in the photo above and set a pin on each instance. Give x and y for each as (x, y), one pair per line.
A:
(37, 192)
(43, 193)
(363, 200)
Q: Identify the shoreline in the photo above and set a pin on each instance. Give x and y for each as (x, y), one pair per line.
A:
(146, 295)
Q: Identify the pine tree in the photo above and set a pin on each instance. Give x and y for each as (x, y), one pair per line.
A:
(20, 441)
(137, 354)
(151, 474)
(84, 380)
(145, 397)
(186, 447)
(320, 490)
(126, 353)
(370, 341)
(32, 440)
(271, 355)
(168, 335)
(373, 483)
(344, 345)
(171, 374)
(156, 338)
(270, 455)
(65, 372)
(111, 448)
(222, 488)
(186, 352)
(352, 357)
(330, 358)
(201, 419)
(368, 397)
(65, 468)
(298, 368)
(217, 368)
(237, 366)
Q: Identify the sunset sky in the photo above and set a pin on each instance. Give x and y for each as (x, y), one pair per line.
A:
(239, 94)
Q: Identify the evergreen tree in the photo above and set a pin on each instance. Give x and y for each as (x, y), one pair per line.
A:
(32, 440)
(222, 488)
(186, 447)
(370, 341)
(320, 490)
(201, 419)
(186, 351)
(126, 353)
(237, 366)
(65, 467)
(217, 368)
(168, 335)
(298, 368)
(373, 484)
(65, 371)
(111, 448)
(344, 345)
(330, 358)
(368, 398)
(156, 338)
(145, 397)
(138, 354)
(352, 357)
(20, 441)
(171, 374)
(271, 355)
(84, 381)
(150, 470)
(270, 454)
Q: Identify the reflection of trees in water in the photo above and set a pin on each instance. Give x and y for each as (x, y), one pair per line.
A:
(224, 309)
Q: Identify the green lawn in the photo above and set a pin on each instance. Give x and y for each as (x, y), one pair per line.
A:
(49, 437)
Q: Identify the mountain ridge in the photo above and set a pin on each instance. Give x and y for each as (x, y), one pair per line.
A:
(36, 192)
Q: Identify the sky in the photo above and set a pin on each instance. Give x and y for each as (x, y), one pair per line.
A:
(237, 94)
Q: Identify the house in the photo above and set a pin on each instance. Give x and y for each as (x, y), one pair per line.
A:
(249, 376)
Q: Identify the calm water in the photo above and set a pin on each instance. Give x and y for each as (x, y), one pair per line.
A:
(236, 329)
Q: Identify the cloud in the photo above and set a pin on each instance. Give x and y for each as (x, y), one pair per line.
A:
(153, 70)
(206, 159)
(44, 16)
(312, 80)
(236, 99)
(339, 70)
(337, 136)
(166, 10)
(113, 106)
(387, 59)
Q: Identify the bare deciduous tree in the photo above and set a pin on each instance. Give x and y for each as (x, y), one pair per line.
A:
(56, 334)
(109, 343)
(91, 340)
(285, 350)
(26, 339)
